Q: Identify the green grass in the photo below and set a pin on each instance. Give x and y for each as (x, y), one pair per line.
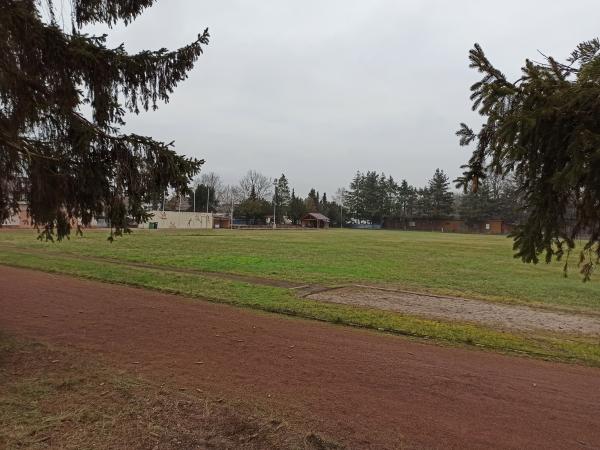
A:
(283, 301)
(474, 266)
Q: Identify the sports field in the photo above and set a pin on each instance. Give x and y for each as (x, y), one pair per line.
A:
(243, 355)
(472, 266)
(204, 263)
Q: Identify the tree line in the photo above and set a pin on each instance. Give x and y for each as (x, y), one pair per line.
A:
(370, 198)
(254, 199)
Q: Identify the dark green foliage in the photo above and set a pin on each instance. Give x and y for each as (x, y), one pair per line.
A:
(203, 193)
(475, 206)
(282, 198)
(296, 209)
(545, 129)
(371, 196)
(333, 211)
(68, 164)
(254, 209)
(437, 200)
(406, 200)
(312, 201)
(495, 198)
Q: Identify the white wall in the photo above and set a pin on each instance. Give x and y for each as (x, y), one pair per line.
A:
(180, 220)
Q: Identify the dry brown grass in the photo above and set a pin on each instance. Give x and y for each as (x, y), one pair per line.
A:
(51, 399)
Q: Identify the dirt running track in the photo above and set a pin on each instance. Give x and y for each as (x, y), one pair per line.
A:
(363, 389)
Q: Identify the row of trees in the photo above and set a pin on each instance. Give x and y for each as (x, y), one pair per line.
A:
(254, 199)
(287, 205)
(373, 197)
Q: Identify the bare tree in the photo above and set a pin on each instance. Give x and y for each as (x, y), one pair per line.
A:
(258, 182)
(229, 198)
(340, 195)
(212, 180)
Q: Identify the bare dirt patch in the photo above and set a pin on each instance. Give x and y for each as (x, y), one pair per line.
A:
(361, 389)
(51, 398)
(462, 310)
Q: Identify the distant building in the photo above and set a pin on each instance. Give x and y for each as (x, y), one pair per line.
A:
(488, 226)
(221, 221)
(19, 220)
(315, 220)
(178, 220)
(22, 219)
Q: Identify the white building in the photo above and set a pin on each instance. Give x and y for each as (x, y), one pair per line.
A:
(178, 220)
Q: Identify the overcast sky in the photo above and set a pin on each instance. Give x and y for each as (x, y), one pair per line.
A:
(320, 89)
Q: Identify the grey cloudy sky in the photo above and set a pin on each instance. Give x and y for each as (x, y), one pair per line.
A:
(320, 89)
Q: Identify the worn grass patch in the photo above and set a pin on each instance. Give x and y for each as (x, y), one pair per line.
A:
(283, 301)
(51, 398)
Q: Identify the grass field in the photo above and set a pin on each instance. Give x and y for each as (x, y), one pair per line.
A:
(472, 266)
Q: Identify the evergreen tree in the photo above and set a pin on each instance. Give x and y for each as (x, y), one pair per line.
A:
(202, 194)
(372, 197)
(406, 200)
(545, 129)
(477, 206)
(77, 164)
(388, 192)
(510, 201)
(333, 212)
(297, 209)
(423, 203)
(283, 198)
(254, 209)
(440, 200)
(354, 197)
(312, 201)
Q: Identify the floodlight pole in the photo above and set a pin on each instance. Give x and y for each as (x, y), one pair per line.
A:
(275, 203)
(194, 199)
(207, 197)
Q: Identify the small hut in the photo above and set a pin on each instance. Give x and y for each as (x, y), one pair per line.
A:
(315, 220)
(221, 221)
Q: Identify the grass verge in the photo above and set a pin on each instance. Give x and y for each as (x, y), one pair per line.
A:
(279, 300)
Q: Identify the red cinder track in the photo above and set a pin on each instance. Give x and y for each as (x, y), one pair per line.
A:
(362, 389)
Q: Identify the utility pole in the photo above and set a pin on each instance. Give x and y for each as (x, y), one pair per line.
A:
(231, 217)
(342, 193)
(275, 204)
(207, 197)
